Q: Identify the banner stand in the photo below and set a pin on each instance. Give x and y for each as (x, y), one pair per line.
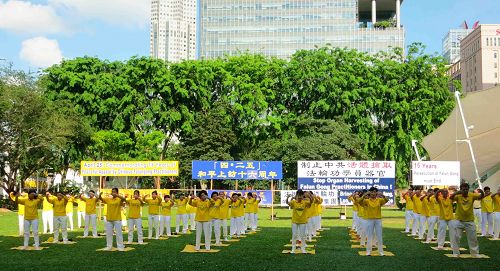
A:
(272, 200)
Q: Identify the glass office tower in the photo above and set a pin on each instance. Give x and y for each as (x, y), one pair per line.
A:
(281, 27)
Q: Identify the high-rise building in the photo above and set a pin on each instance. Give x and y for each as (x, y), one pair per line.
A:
(281, 27)
(173, 29)
(479, 58)
(451, 44)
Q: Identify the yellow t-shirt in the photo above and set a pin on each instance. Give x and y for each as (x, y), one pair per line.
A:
(81, 205)
(409, 203)
(214, 211)
(154, 205)
(361, 208)
(90, 205)
(30, 207)
(445, 208)
(69, 206)
(134, 208)
(224, 208)
(190, 209)
(299, 215)
(319, 207)
(202, 209)
(235, 208)
(181, 206)
(59, 206)
(487, 204)
(496, 199)
(433, 206)
(47, 206)
(309, 208)
(354, 203)
(166, 208)
(417, 204)
(250, 205)
(20, 206)
(425, 207)
(464, 206)
(114, 208)
(373, 207)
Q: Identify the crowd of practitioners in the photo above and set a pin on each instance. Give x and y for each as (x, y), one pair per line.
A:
(198, 213)
(306, 217)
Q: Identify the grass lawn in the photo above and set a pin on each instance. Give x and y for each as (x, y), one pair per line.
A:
(260, 251)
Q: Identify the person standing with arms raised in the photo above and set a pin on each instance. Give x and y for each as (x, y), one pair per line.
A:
(113, 219)
(30, 220)
(90, 213)
(154, 214)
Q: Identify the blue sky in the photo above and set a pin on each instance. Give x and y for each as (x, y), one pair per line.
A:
(34, 34)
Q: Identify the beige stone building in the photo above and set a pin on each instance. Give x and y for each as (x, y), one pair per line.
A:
(479, 62)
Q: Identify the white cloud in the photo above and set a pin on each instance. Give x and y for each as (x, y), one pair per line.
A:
(130, 13)
(25, 17)
(41, 52)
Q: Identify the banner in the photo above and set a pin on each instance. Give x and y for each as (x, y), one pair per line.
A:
(330, 197)
(265, 195)
(237, 170)
(129, 168)
(347, 177)
(128, 193)
(436, 173)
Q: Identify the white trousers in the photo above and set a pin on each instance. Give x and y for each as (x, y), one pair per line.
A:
(80, 216)
(26, 228)
(441, 236)
(486, 218)
(70, 220)
(137, 222)
(496, 233)
(423, 222)
(216, 223)
(408, 220)
(416, 224)
(115, 225)
(478, 217)
(192, 223)
(20, 220)
(431, 222)
(354, 220)
(310, 228)
(206, 228)
(299, 233)
(374, 226)
(233, 227)
(153, 223)
(90, 219)
(165, 225)
(247, 221)
(184, 218)
(60, 224)
(224, 229)
(362, 231)
(48, 221)
(253, 221)
(470, 230)
(240, 225)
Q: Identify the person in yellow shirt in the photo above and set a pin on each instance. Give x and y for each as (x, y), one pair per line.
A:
(241, 214)
(477, 214)
(299, 219)
(47, 215)
(310, 214)
(224, 213)
(181, 214)
(487, 213)
(80, 212)
(424, 214)
(60, 219)
(113, 219)
(30, 220)
(255, 210)
(234, 228)
(20, 211)
(317, 214)
(465, 220)
(354, 225)
(215, 215)
(191, 214)
(433, 206)
(361, 217)
(203, 224)
(90, 213)
(249, 206)
(153, 214)
(373, 201)
(69, 213)
(496, 203)
(135, 204)
(409, 210)
(417, 208)
(445, 216)
(166, 210)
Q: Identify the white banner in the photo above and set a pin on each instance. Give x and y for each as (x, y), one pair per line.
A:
(346, 169)
(330, 197)
(436, 173)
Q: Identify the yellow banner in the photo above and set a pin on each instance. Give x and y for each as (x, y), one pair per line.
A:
(129, 168)
(130, 192)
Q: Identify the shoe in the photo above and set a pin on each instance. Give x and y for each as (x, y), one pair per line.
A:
(427, 242)
(304, 252)
(381, 253)
(368, 253)
(141, 242)
(55, 241)
(128, 243)
(440, 248)
(455, 255)
(107, 249)
(65, 242)
(37, 248)
(121, 249)
(292, 251)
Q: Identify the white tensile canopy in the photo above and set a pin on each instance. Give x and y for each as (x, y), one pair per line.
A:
(447, 143)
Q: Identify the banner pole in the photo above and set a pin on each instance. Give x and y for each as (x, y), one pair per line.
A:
(211, 184)
(272, 200)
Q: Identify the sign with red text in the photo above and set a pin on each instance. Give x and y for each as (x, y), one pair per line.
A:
(436, 173)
